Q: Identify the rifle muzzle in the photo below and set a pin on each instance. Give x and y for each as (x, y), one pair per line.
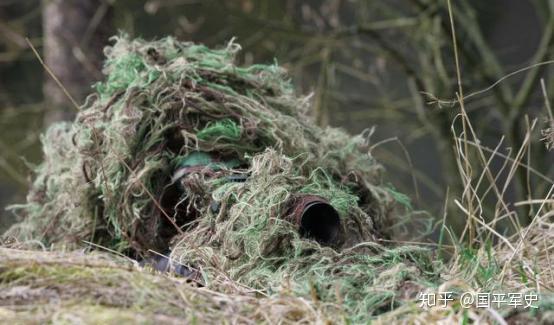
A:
(315, 218)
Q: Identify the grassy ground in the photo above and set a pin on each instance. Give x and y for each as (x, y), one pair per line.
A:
(96, 288)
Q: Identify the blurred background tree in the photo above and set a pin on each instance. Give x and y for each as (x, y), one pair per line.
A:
(380, 66)
(74, 35)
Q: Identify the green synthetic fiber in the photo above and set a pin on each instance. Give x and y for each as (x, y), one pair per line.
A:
(226, 129)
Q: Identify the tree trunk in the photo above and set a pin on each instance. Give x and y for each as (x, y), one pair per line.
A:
(75, 33)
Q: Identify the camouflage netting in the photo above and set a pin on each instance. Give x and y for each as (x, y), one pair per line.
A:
(180, 151)
(176, 123)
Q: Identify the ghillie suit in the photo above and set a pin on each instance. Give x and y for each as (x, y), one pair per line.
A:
(181, 150)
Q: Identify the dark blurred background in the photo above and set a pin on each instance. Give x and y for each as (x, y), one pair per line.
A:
(370, 64)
